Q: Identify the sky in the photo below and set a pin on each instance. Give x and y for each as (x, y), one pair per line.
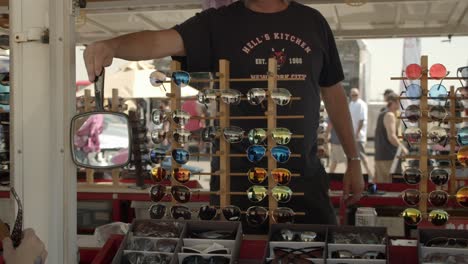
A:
(387, 59)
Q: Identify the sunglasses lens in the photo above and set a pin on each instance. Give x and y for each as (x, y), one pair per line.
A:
(181, 156)
(462, 136)
(413, 91)
(181, 78)
(181, 175)
(464, 73)
(437, 113)
(157, 155)
(201, 80)
(179, 211)
(462, 156)
(438, 198)
(255, 96)
(413, 113)
(281, 96)
(158, 136)
(181, 193)
(411, 197)
(182, 136)
(257, 136)
(281, 153)
(283, 215)
(157, 192)
(231, 213)
(438, 71)
(437, 135)
(413, 135)
(158, 174)
(207, 96)
(180, 117)
(157, 78)
(438, 91)
(256, 193)
(256, 215)
(282, 194)
(257, 175)
(207, 212)
(412, 176)
(157, 211)
(157, 117)
(462, 197)
(255, 153)
(412, 216)
(281, 136)
(230, 96)
(439, 176)
(281, 176)
(233, 134)
(209, 133)
(438, 217)
(413, 71)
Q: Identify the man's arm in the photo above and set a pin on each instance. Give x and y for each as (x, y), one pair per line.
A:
(334, 98)
(144, 45)
(390, 126)
(360, 125)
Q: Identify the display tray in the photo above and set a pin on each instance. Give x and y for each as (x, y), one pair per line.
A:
(187, 235)
(426, 235)
(356, 241)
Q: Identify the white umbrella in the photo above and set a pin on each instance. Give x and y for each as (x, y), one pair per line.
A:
(132, 81)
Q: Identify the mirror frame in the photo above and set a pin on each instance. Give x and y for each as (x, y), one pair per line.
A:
(79, 164)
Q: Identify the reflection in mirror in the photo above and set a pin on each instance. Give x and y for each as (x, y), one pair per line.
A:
(100, 140)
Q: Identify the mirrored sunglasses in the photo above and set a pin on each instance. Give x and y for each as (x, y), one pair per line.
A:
(157, 211)
(412, 176)
(181, 78)
(256, 215)
(256, 96)
(282, 194)
(180, 193)
(255, 153)
(158, 174)
(283, 215)
(438, 135)
(180, 155)
(281, 96)
(180, 211)
(462, 197)
(181, 175)
(438, 217)
(413, 135)
(182, 136)
(462, 136)
(180, 117)
(438, 198)
(231, 213)
(257, 175)
(439, 177)
(233, 134)
(462, 156)
(158, 136)
(411, 216)
(411, 197)
(157, 155)
(210, 133)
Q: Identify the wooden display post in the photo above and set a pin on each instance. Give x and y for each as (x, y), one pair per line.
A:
(87, 108)
(224, 146)
(271, 123)
(423, 146)
(175, 103)
(453, 141)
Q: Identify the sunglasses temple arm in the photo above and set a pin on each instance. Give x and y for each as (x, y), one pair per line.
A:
(164, 87)
(399, 101)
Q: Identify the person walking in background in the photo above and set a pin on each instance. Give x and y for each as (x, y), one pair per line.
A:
(386, 140)
(385, 98)
(337, 154)
(358, 110)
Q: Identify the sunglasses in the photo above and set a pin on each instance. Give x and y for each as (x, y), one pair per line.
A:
(147, 244)
(158, 116)
(180, 155)
(158, 174)
(437, 198)
(158, 211)
(228, 96)
(412, 91)
(346, 254)
(438, 135)
(257, 215)
(445, 258)
(438, 177)
(197, 259)
(280, 96)
(182, 136)
(231, 213)
(462, 74)
(213, 248)
(180, 78)
(462, 197)
(282, 194)
(281, 154)
(286, 253)
(280, 176)
(5, 98)
(462, 156)
(297, 236)
(233, 134)
(210, 133)
(438, 91)
(157, 79)
(447, 242)
(180, 193)
(280, 135)
(436, 71)
(413, 217)
(462, 136)
(133, 257)
(412, 113)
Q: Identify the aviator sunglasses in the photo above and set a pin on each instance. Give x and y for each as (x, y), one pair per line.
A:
(413, 217)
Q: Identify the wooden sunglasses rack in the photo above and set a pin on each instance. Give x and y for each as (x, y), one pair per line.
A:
(224, 118)
(424, 120)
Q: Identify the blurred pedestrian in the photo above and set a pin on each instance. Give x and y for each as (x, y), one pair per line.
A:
(337, 154)
(385, 96)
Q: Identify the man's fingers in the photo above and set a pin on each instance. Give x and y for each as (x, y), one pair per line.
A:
(7, 245)
(353, 199)
(98, 60)
(89, 63)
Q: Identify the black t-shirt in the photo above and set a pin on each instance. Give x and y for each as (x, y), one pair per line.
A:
(299, 38)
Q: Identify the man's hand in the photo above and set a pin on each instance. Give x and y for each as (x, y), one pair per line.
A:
(30, 251)
(353, 182)
(97, 56)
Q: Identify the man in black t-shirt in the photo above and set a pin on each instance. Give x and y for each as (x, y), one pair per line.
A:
(247, 33)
